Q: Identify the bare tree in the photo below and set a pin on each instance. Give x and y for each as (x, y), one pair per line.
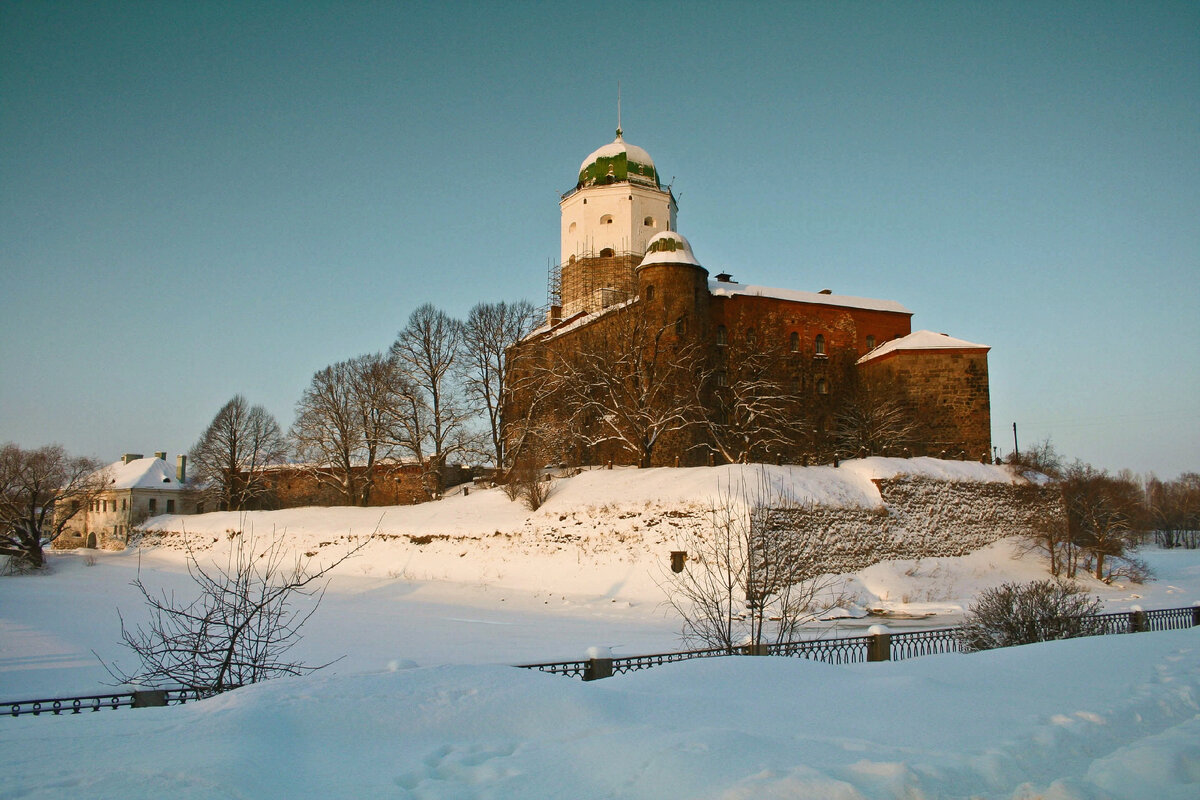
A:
(629, 381)
(754, 412)
(327, 433)
(1102, 512)
(875, 417)
(489, 333)
(351, 417)
(238, 630)
(1175, 510)
(40, 492)
(752, 577)
(232, 451)
(427, 353)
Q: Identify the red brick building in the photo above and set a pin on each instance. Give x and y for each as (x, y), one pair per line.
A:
(621, 258)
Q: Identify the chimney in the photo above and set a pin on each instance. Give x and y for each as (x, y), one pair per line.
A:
(825, 291)
(125, 459)
(181, 469)
(161, 454)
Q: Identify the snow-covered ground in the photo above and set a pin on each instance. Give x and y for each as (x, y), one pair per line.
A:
(423, 704)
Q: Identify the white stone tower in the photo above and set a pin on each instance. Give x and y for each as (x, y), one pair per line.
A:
(616, 207)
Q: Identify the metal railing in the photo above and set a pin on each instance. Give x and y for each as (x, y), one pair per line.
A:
(878, 647)
(96, 702)
(846, 650)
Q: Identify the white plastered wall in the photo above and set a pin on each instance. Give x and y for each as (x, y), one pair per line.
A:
(628, 205)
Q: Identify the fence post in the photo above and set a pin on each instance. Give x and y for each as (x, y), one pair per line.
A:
(1137, 620)
(149, 698)
(880, 646)
(599, 664)
(756, 649)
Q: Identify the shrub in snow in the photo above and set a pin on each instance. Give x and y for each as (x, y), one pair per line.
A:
(1017, 613)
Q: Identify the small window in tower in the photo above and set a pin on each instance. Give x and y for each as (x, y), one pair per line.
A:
(819, 345)
(795, 385)
(649, 293)
(870, 342)
(571, 260)
(680, 326)
(606, 252)
(794, 342)
(722, 378)
(571, 228)
(722, 337)
(751, 336)
(649, 222)
(606, 219)
(822, 386)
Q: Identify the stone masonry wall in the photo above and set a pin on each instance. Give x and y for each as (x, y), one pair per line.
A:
(921, 518)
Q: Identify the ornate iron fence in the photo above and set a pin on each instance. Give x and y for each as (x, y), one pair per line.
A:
(846, 650)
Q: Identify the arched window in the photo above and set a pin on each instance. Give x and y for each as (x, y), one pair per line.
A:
(606, 219)
(606, 252)
(819, 344)
(751, 336)
(649, 293)
(571, 228)
(722, 338)
(822, 386)
(870, 342)
(648, 222)
(794, 341)
(680, 326)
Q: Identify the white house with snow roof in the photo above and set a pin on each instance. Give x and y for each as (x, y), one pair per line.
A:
(137, 488)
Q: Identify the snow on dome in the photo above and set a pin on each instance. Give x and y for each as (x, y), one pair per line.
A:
(922, 340)
(618, 161)
(669, 247)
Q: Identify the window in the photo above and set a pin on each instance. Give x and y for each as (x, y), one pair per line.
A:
(571, 229)
(649, 293)
(606, 252)
(794, 342)
(822, 386)
(648, 222)
(722, 378)
(606, 219)
(819, 344)
(722, 337)
(751, 336)
(123, 506)
(170, 506)
(795, 385)
(870, 342)
(152, 506)
(680, 326)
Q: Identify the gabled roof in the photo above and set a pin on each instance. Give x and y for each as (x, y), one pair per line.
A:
(731, 289)
(922, 340)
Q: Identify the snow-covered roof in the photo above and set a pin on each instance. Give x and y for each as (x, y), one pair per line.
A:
(142, 473)
(732, 289)
(669, 247)
(615, 148)
(922, 340)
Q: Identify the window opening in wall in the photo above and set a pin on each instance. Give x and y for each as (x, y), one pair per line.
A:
(870, 342)
(822, 386)
(170, 506)
(606, 219)
(795, 385)
(648, 222)
(722, 339)
(722, 378)
(606, 252)
(152, 506)
(819, 344)
(123, 504)
(680, 326)
(571, 229)
(751, 336)
(649, 293)
(794, 341)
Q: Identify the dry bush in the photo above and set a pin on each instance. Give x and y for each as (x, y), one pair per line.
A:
(1040, 611)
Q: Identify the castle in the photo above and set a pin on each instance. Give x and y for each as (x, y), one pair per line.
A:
(738, 371)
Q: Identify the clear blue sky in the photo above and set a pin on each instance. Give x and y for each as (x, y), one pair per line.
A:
(202, 199)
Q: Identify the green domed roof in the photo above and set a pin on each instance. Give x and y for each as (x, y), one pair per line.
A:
(618, 161)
